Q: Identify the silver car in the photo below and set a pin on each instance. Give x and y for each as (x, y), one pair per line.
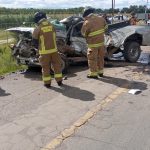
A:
(72, 45)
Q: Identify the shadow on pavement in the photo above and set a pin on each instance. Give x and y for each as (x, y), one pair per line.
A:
(3, 93)
(34, 73)
(146, 69)
(119, 82)
(76, 67)
(120, 63)
(75, 92)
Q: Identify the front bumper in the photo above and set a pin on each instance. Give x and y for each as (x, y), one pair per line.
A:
(27, 61)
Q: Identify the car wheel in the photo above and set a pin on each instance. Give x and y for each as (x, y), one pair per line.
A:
(132, 51)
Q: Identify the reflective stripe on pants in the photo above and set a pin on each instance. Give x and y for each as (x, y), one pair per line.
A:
(93, 73)
(46, 78)
(58, 75)
(100, 71)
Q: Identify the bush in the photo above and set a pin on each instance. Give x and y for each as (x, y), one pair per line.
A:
(7, 63)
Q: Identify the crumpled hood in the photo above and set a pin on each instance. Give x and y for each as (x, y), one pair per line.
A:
(21, 29)
(59, 33)
(118, 36)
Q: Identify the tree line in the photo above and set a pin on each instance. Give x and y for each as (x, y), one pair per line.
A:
(10, 16)
(137, 9)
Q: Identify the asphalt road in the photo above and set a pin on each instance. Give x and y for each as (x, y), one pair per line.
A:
(84, 114)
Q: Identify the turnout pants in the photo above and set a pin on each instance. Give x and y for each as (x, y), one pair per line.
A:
(51, 60)
(96, 60)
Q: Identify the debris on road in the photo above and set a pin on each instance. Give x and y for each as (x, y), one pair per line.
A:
(2, 77)
(144, 58)
(134, 91)
(65, 78)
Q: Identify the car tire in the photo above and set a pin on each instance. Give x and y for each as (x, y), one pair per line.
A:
(132, 51)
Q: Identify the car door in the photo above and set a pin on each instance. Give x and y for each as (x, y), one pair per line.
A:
(77, 40)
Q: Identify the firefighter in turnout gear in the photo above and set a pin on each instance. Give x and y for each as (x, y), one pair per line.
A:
(133, 20)
(44, 38)
(93, 30)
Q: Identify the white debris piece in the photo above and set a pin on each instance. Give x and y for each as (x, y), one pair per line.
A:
(135, 91)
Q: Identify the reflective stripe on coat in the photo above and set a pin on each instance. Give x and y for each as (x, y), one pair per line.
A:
(93, 30)
(46, 35)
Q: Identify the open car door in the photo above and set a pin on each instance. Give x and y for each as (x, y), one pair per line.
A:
(77, 40)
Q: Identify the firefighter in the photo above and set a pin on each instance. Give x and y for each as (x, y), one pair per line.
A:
(93, 30)
(44, 38)
(133, 20)
(106, 18)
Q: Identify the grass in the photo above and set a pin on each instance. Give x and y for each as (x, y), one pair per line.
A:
(59, 16)
(7, 63)
(4, 35)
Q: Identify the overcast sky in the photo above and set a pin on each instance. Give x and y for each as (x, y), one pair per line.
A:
(68, 3)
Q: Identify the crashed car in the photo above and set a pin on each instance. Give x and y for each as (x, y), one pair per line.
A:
(25, 53)
(72, 45)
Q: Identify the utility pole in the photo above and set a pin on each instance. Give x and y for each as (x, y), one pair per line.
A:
(113, 7)
(146, 10)
(112, 11)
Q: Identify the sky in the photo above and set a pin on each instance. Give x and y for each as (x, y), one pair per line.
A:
(54, 4)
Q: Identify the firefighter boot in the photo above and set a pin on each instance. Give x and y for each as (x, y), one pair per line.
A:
(101, 73)
(47, 85)
(60, 83)
(92, 75)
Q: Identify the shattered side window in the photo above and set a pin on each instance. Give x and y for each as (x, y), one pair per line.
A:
(76, 32)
